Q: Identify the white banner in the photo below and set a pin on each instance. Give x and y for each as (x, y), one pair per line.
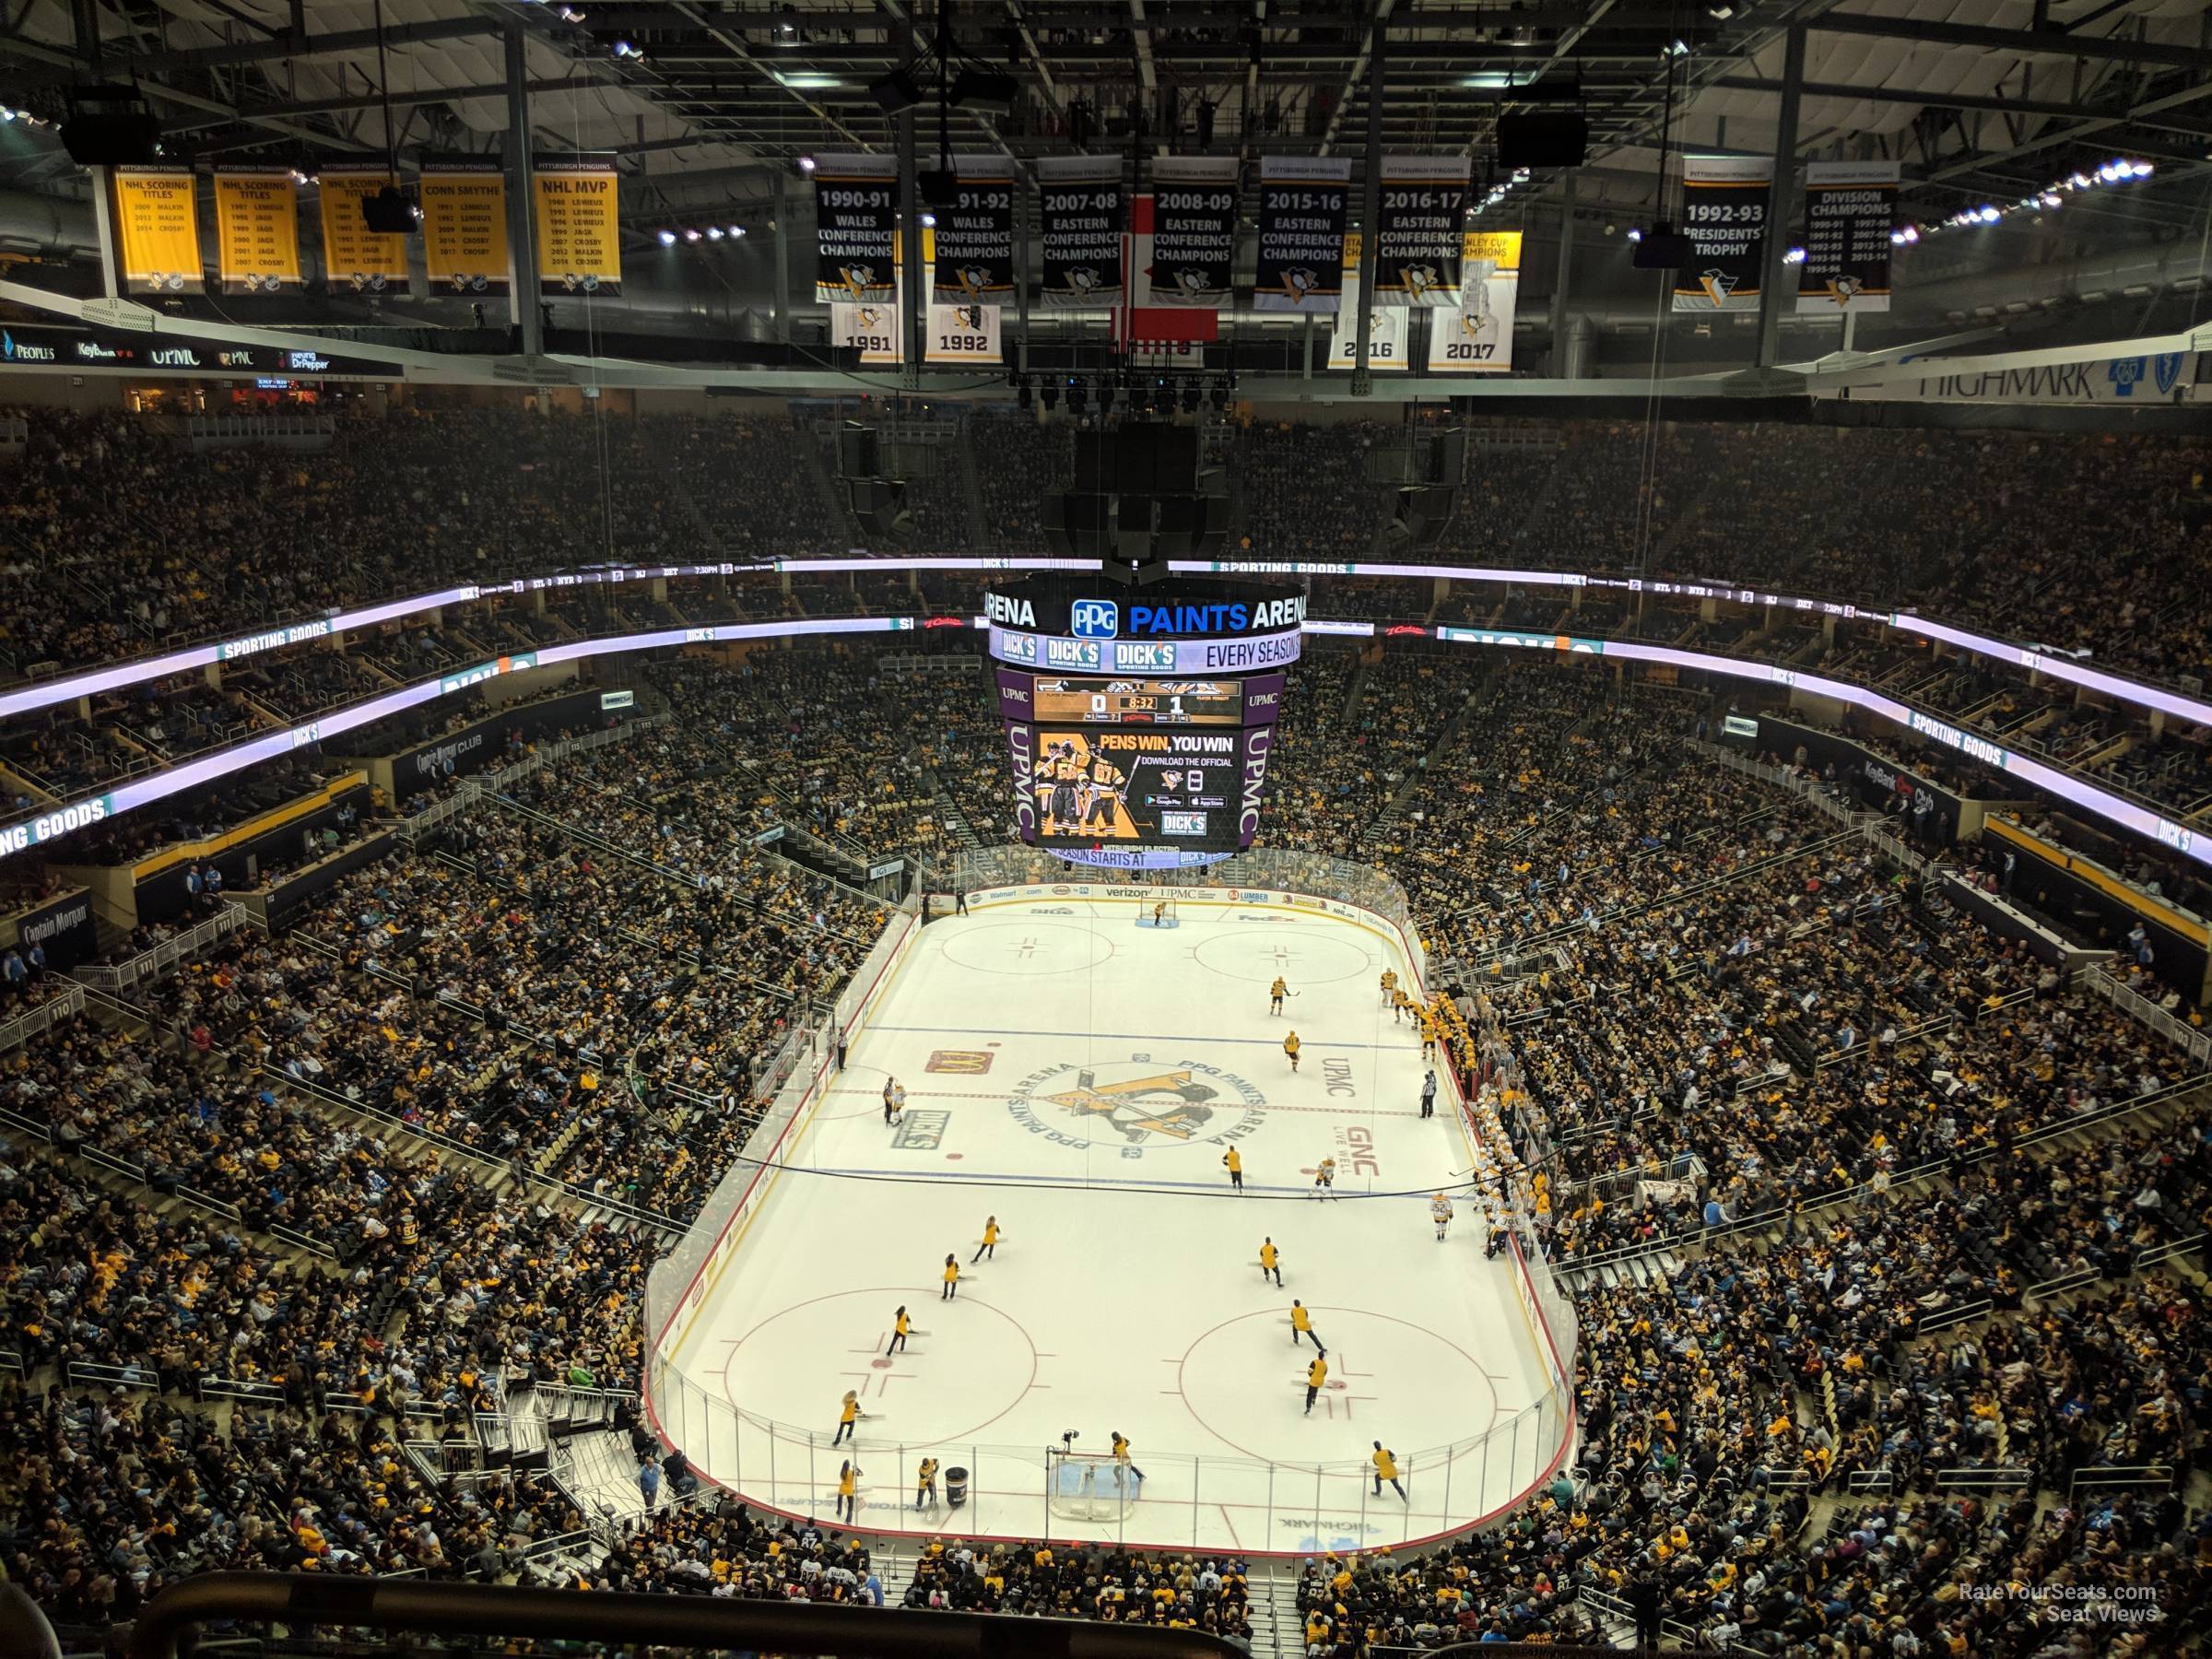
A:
(877, 330)
(963, 334)
(1385, 332)
(1477, 338)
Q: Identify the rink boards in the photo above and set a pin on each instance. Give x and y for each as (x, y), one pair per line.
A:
(1127, 1295)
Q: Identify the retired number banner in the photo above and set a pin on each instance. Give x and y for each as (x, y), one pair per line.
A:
(355, 260)
(975, 236)
(1302, 233)
(257, 230)
(855, 228)
(579, 225)
(1850, 208)
(1417, 243)
(158, 229)
(464, 225)
(1725, 216)
(1477, 338)
(1080, 220)
(1193, 230)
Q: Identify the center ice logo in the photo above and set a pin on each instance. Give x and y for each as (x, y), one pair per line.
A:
(1138, 1100)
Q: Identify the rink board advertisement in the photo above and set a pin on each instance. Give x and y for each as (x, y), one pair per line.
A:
(855, 228)
(1301, 265)
(158, 229)
(1849, 209)
(1725, 216)
(1477, 337)
(465, 226)
(257, 230)
(1081, 214)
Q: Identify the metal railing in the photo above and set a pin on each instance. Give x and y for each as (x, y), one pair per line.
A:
(42, 1016)
(118, 978)
(2194, 1040)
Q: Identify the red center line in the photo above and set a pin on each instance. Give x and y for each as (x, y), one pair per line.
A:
(988, 1094)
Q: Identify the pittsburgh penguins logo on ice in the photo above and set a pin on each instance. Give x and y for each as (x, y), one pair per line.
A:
(1137, 1102)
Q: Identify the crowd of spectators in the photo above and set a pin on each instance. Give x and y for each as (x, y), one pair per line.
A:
(1679, 986)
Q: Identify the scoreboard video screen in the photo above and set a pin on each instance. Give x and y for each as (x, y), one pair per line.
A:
(1138, 702)
(1164, 764)
(1131, 786)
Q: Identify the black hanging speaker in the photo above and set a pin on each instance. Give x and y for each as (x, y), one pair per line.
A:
(1423, 512)
(1542, 138)
(110, 126)
(879, 508)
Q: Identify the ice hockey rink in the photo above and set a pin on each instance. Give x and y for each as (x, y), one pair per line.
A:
(1080, 1076)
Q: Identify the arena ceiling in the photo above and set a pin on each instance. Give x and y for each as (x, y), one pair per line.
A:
(714, 100)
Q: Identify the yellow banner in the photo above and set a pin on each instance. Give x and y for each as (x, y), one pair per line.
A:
(465, 226)
(1503, 247)
(157, 231)
(579, 240)
(355, 259)
(257, 230)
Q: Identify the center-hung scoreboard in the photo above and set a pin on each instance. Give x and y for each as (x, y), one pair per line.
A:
(1139, 723)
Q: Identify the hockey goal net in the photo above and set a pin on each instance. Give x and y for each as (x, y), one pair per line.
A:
(1156, 913)
(1089, 1486)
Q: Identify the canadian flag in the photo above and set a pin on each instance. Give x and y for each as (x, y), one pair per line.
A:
(1136, 327)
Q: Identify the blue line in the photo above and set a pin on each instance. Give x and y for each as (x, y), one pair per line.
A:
(1152, 1037)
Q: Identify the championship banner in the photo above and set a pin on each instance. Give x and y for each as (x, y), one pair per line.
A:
(1850, 208)
(354, 258)
(975, 236)
(1477, 338)
(1385, 331)
(1194, 231)
(855, 228)
(963, 332)
(257, 230)
(879, 331)
(464, 225)
(579, 225)
(158, 229)
(1079, 229)
(1725, 216)
(1418, 242)
(1302, 233)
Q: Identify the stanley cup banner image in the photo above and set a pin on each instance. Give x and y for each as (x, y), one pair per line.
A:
(1193, 230)
(257, 230)
(465, 226)
(158, 229)
(1850, 208)
(1725, 216)
(1302, 233)
(1477, 338)
(1385, 325)
(1417, 244)
(855, 228)
(975, 236)
(355, 259)
(1079, 229)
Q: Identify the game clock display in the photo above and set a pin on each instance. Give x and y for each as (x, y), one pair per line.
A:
(1137, 702)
